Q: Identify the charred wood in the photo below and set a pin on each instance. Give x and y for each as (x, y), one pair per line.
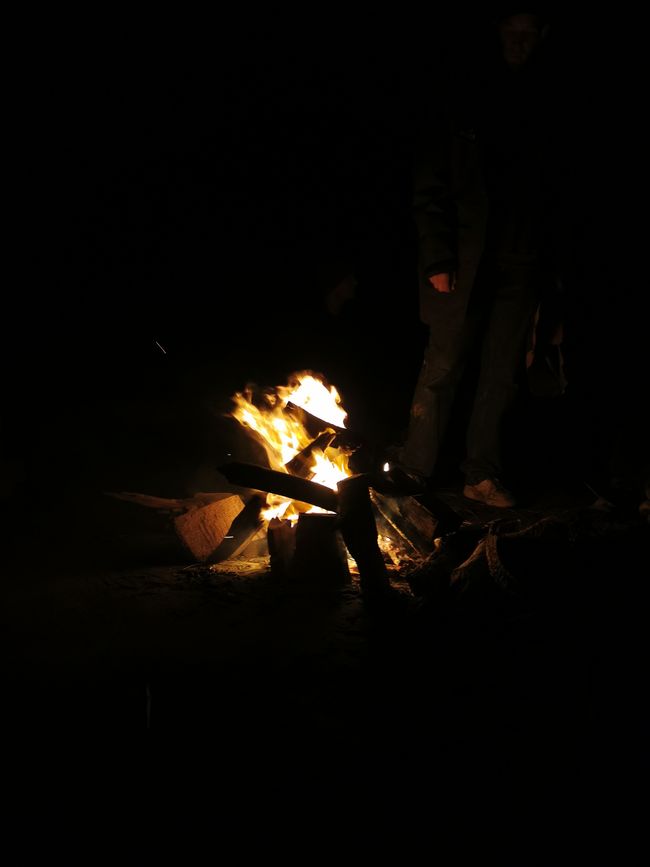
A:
(301, 464)
(314, 426)
(272, 481)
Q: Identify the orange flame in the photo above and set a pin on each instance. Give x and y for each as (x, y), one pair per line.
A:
(284, 436)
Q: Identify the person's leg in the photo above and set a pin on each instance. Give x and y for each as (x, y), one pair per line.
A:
(514, 295)
(444, 359)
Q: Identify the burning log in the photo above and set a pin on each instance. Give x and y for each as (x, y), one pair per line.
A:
(301, 464)
(272, 481)
(360, 533)
(279, 541)
(314, 426)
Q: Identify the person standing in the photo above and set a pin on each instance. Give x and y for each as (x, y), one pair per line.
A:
(485, 203)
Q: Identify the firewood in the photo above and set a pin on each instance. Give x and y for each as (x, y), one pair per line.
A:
(242, 530)
(414, 524)
(272, 481)
(203, 529)
(281, 536)
(301, 464)
(320, 558)
(167, 504)
(345, 438)
(257, 546)
(403, 547)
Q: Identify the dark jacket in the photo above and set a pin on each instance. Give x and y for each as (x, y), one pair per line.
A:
(484, 183)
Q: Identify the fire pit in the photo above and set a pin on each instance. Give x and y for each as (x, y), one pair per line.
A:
(306, 508)
(309, 480)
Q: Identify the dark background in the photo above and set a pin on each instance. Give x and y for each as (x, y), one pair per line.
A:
(201, 186)
(182, 182)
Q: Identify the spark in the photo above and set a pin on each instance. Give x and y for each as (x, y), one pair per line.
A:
(161, 348)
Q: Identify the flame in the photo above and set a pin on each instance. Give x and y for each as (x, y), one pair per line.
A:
(284, 435)
(313, 395)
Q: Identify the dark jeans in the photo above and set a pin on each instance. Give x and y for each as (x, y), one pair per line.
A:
(497, 313)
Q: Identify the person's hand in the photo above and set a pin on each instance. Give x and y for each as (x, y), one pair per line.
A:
(443, 283)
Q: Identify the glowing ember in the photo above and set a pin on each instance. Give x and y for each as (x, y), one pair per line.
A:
(284, 436)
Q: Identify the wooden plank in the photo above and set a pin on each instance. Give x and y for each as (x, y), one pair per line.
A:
(415, 525)
(203, 529)
(242, 530)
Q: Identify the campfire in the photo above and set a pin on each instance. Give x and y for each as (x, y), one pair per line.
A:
(284, 420)
(304, 507)
(307, 513)
(318, 513)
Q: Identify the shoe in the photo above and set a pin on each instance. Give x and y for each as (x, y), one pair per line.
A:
(491, 492)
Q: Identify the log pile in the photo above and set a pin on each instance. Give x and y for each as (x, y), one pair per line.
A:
(356, 517)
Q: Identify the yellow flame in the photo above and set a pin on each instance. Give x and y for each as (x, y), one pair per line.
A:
(313, 395)
(330, 468)
(277, 507)
(284, 436)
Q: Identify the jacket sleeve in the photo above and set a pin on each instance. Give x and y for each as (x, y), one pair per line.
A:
(433, 204)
